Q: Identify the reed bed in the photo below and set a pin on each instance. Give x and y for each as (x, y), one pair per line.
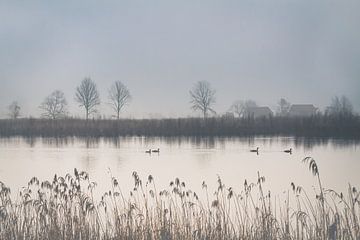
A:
(314, 126)
(65, 208)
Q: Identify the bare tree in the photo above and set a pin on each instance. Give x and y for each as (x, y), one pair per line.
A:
(238, 108)
(14, 110)
(248, 105)
(340, 106)
(87, 96)
(283, 107)
(242, 108)
(54, 106)
(119, 96)
(202, 97)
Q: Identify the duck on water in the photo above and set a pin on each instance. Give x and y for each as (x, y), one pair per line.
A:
(288, 151)
(156, 150)
(255, 150)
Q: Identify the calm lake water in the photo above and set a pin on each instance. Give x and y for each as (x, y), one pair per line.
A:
(193, 160)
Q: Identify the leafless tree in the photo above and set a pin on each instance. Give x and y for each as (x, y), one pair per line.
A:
(238, 108)
(54, 106)
(14, 110)
(283, 107)
(248, 105)
(87, 96)
(242, 108)
(340, 106)
(202, 97)
(119, 96)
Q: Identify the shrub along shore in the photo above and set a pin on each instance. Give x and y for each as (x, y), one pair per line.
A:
(315, 126)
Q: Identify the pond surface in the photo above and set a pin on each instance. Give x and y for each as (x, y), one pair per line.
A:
(193, 160)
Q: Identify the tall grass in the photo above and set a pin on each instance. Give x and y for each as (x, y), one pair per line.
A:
(65, 208)
(315, 126)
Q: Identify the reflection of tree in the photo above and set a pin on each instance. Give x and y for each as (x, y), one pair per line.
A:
(203, 142)
(115, 141)
(92, 142)
(310, 143)
(58, 141)
(31, 141)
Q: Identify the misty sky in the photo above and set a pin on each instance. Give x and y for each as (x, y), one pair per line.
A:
(306, 51)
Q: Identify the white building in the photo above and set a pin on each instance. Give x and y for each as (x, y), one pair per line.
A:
(302, 110)
(258, 112)
(228, 115)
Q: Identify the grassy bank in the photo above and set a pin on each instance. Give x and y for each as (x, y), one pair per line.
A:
(64, 208)
(316, 126)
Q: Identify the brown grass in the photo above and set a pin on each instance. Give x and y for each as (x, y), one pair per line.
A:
(65, 208)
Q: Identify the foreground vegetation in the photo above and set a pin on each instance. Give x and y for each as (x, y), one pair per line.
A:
(315, 126)
(65, 208)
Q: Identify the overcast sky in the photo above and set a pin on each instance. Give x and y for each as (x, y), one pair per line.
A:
(304, 51)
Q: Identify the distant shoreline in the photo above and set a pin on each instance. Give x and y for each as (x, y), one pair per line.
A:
(315, 126)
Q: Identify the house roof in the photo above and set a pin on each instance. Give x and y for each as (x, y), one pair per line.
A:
(260, 110)
(302, 107)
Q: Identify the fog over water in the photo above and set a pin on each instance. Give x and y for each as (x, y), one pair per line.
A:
(305, 51)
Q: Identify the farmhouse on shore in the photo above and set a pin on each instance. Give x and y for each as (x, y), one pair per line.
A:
(228, 115)
(259, 112)
(302, 110)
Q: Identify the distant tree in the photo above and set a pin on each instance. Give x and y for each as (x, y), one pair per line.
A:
(248, 104)
(202, 97)
(237, 107)
(242, 108)
(283, 107)
(119, 96)
(340, 106)
(54, 106)
(14, 110)
(87, 96)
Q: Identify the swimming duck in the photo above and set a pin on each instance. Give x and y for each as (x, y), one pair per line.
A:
(156, 150)
(255, 150)
(288, 151)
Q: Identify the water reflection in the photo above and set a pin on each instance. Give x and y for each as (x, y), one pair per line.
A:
(31, 141)
(193, 158)
(58, 141)
(197, 142)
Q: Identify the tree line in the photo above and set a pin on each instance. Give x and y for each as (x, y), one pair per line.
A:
(55, 105)
(202, 99)
(314, 126)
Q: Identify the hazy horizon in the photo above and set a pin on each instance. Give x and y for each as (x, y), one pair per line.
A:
(303, 51)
